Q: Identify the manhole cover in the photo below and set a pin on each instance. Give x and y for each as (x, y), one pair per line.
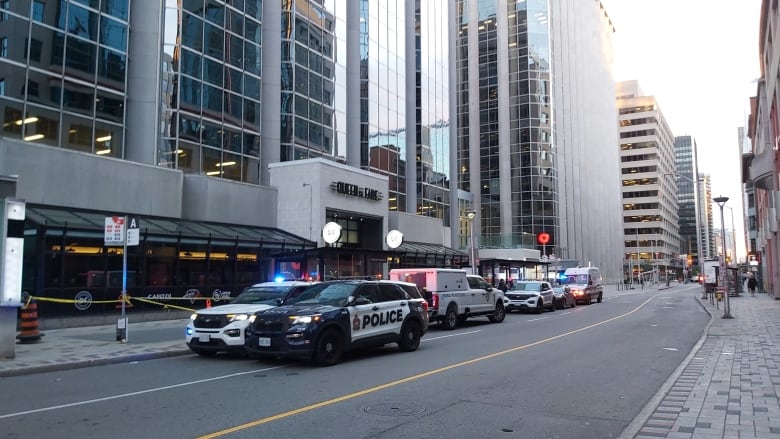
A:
(395, 409)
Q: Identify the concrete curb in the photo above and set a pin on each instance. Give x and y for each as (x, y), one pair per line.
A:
(29, 370)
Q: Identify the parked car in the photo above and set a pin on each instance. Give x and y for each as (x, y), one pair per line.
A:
(564, 297)
(221, 328)
(531, 295)
(333, 317)
(585, 283)
(453, 295)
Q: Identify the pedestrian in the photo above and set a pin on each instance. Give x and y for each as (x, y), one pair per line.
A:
(752, 285)
(502, 285)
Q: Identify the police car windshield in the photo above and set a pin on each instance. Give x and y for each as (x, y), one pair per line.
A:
(261, 295)
(334, 294)
(526, 286)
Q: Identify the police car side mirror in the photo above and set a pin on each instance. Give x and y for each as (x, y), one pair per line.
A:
(354, 301)
(278, 301)
(489, 289)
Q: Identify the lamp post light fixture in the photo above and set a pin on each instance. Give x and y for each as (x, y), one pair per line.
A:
(471, 214)
(721, 200)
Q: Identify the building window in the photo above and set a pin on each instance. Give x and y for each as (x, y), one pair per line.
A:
(4, 5)
(2, 87)
(37, 11)
(4, 47)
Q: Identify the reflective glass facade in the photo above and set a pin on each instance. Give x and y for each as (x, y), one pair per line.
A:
(532, 154)
(432, 108)
(210, 120)
(383, 97)
(313, 94)
(63, 73)
(523, 92)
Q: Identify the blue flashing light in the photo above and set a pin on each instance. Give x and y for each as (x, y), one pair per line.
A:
(279, 279)
(189, 331)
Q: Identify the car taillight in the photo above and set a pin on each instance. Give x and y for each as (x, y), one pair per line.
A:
(435, 301)
(425, 305)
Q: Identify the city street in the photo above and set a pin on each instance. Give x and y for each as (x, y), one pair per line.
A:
(581, 372)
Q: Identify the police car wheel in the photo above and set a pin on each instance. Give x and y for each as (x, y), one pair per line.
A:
(498, 314)
(410, 337)
(450, 318)
(329, 348)
(599, 299)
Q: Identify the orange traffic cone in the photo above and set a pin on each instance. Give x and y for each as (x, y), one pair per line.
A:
(128, 303)
(29, 325)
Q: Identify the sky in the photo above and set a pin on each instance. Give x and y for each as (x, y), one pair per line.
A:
(700, 60)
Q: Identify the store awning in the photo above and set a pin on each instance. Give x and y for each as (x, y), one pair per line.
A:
(57, 219)
(430, 249)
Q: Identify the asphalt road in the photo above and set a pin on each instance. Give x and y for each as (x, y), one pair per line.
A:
(584, 372)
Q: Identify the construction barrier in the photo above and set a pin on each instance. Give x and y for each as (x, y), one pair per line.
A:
(129, 301)
(29, 324)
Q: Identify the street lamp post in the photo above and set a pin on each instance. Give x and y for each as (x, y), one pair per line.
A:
(471, 214)
(722, 278)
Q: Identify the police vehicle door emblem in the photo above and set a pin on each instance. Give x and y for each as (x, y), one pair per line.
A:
(356, 323)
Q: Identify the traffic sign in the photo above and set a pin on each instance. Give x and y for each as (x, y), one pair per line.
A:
(114, 233)
(133, 234)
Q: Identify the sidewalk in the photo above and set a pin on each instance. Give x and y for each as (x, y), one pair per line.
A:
(73, 348)
(728, 387)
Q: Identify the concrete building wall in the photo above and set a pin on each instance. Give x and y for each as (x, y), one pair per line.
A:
(650, 217)
(587, 141)
(419, 228)
(226, 201)
(292, 208)
(66, 178)
(143, 82)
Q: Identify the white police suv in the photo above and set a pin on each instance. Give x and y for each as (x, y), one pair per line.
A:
(221, 328)
(330, 318)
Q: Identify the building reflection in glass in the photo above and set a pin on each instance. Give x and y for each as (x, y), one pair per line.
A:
(63, 73)
(210, 120)
(313, 104)
(530, 153)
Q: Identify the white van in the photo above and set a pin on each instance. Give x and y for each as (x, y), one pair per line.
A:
(453, 296)
(585, 283)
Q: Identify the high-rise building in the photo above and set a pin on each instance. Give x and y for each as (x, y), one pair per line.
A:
(650, 221)
(687, 179)
(521, 136)
(705, 218)
(238, 131)
(588, 166)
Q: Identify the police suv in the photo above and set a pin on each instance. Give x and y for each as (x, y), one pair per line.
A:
(221, 328)
(332, 317)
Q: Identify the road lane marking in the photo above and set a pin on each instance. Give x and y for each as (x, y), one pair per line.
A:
(408, 379)
(173, 386)
(140, 392)
(450, 335)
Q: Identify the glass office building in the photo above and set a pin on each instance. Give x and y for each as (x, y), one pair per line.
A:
(63, 79)
(506, 154)
(210, 115)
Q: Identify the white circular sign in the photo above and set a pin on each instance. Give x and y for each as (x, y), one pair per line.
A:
(83, 300)
(394, 239)
(331, 232)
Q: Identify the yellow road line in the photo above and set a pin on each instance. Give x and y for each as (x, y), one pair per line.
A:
(359, 393)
